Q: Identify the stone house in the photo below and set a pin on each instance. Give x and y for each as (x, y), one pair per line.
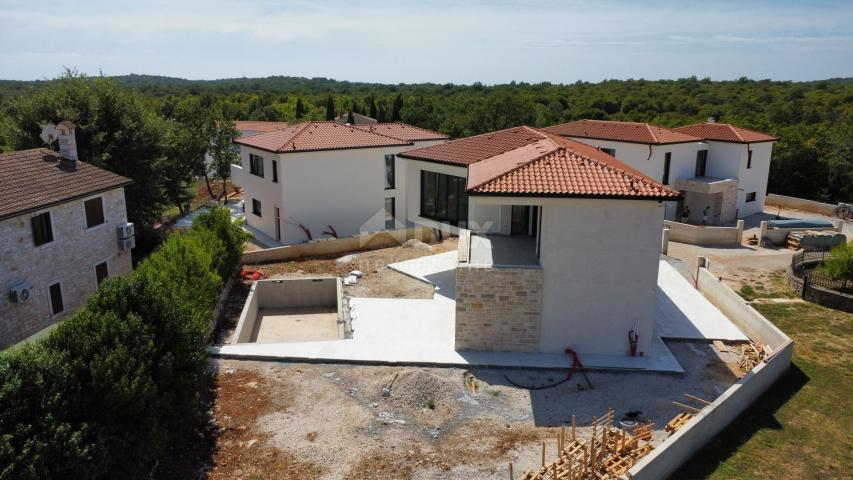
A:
(63, 230)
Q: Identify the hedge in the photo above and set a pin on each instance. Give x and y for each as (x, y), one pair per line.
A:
(121, 379)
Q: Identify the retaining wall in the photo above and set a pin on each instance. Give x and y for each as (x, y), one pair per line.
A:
(778, 236)
(334, 246)
(687, 441)
(800, 204)
(708, 236)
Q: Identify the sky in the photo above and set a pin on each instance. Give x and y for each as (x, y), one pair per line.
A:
(458, 41)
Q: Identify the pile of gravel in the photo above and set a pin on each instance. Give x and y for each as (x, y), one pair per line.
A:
(416, 390)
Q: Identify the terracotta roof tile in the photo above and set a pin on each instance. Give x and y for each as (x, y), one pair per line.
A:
(632, 132)
(403, 131)
(725, 132)
(468, 150)
(315, 136)
(258, 126)
(34, 179)
(568, 173)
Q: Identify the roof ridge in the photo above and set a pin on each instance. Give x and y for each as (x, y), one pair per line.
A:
(298, 132)
(651, 132)
(626, 173)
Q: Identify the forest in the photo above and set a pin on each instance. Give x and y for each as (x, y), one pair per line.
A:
(141, 125)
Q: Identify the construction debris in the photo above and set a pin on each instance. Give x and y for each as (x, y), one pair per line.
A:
(609, 453)
(751, 355)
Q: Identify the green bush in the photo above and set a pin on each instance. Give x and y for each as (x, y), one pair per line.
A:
(840, 265)
(108, 391)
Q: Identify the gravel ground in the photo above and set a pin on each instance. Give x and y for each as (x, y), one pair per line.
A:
(319, 421)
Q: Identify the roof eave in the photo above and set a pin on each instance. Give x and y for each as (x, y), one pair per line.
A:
(576, 195)
(42, 206)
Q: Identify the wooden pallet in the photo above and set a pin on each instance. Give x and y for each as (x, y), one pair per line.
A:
(679, 421)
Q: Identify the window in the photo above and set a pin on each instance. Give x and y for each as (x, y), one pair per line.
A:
(256, 207)
(609, 151)
(667, 160)
(389, 172)
(94, 212)
(102, 272)
(750, 197)
(256, 165)
(389, 213)
(443, 198)
(701, 162)
(748, 158)
(42, 229)
(274, 171)
(56, 304)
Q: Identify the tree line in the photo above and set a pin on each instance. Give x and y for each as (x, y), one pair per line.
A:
(153, 129)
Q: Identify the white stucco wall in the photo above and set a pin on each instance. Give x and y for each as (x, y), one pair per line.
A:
(682, 163)
(600, 259)
(69, 259)
(729, 160)
(263, 189)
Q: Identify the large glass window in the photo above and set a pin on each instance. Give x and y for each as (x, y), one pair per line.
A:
(701, 162)
(256, 207)
(56, 303)
(389, 172)
(667, 161)
(443, 198)
(274, 171)
(389, 213)
(256, 165)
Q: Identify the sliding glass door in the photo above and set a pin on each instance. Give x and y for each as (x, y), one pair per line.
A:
(443, 198)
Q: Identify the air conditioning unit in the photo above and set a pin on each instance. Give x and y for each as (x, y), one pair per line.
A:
(20, 292)
(126, 230)
(127, 243)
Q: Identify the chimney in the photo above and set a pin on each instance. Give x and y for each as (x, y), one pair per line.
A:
(711, 120)
(67, 143)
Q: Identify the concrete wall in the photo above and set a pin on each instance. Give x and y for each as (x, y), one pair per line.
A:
(687, 441)
(682, 164)
(600, 262)
(498, 309)
(800, 204)
(70, 259)
(284, 293)
(778, 236)
(711, 236)
(334, 246)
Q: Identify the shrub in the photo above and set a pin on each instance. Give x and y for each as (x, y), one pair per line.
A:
(840, 265)
(107, 392)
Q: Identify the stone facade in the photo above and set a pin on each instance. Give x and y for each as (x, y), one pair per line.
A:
(69, 259)
(498, 309)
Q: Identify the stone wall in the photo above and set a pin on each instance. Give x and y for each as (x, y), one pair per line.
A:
(70, 259)
(498, 309)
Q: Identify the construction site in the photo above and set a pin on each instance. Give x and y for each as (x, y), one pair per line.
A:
(328, 419)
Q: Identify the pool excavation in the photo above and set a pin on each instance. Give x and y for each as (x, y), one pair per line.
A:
(293, 310)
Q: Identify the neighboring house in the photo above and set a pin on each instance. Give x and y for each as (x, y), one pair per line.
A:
(63, 230)
(720, 166)
(358, 119)
(316, 177)
(577, 261)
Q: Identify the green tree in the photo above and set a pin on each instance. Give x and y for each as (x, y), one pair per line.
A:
(371, 105)
(350, 118)
(395, 109)
(300, 108)
(222, 151)
(330, 108)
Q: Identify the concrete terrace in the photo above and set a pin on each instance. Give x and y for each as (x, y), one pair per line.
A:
(421, 331)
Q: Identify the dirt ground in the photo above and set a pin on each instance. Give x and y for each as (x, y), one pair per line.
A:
(273, 420)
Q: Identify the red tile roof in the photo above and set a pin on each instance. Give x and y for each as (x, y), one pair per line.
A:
(523, 161)
(315, 136)
(403, 131)
(631, 132)
(34, 179)
(468, 150)
(724, 132)
(258, 126)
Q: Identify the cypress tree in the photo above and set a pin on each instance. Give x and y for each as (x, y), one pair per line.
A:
(371, 102)
(350, 118)
(300, 108)
(395, 110)
(330, 108)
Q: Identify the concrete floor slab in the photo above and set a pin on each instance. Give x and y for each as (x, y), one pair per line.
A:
(296, 324)
(422, 331)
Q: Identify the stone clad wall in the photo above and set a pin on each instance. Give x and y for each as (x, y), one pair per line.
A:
(70, 259)
(498, 309)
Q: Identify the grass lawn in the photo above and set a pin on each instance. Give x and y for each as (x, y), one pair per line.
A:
(802, 428)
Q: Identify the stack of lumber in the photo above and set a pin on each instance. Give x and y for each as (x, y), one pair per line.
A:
(814, 240)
